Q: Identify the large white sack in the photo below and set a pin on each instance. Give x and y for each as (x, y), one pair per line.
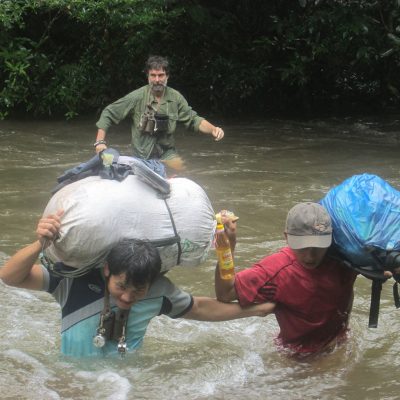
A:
(100, 212)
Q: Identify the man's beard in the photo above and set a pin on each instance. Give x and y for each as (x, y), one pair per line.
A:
(158, 87)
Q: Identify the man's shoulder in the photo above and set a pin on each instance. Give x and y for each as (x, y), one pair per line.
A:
(162, 286)
(74, 293)
(269, 267)
(172, 94)
(278, 260)
(138, 92)
(339, 266)
(133, 96)
(175, 301)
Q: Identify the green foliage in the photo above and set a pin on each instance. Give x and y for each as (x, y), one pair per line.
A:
(68, 57)
(11, 12)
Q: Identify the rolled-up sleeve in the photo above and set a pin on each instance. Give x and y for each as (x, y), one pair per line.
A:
(176, 302)
(116, 112)
(254, 285)
(187, 116)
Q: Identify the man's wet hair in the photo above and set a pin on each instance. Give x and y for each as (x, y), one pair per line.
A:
(138, 259)
(157, 62)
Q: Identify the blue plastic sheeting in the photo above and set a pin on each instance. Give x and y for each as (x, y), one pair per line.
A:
(365, 212)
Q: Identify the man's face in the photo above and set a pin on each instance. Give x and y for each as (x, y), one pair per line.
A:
(310, 257)
(158, 79)
(125, 296)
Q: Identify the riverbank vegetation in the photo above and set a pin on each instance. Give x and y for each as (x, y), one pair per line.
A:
(71, 57)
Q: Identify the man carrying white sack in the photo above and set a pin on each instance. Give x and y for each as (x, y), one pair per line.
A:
(107, 310)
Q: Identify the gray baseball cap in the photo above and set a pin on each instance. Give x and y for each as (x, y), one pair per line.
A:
(308, 225)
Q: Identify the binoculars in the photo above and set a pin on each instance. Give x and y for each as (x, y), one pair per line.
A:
(152, 123)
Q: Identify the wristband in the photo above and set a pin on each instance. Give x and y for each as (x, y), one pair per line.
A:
(102, 141)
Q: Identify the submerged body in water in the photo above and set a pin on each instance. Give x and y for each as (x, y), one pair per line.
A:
(259, 172)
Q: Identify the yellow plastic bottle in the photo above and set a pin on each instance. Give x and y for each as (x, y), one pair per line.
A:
(224, 253)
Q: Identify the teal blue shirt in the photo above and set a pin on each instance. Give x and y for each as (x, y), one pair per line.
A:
(82, 300)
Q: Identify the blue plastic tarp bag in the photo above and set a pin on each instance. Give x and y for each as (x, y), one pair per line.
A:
(365, 212)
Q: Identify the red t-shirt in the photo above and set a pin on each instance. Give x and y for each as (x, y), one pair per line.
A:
(311, 304)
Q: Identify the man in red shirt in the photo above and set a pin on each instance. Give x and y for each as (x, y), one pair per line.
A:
(312, 292)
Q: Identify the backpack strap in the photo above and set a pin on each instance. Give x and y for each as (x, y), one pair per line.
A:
(371, 272)
(376, 289)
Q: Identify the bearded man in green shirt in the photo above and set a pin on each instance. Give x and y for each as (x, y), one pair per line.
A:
(155, 110)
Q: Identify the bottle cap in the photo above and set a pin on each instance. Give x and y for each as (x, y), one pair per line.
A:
(220, 226)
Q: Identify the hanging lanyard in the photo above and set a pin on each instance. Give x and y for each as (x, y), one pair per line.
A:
(112, 326)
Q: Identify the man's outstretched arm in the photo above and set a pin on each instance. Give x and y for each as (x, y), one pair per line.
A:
(20, 270)
(208, 309)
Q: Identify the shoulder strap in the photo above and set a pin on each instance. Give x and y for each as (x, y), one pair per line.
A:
(376, 289)
(370, 272)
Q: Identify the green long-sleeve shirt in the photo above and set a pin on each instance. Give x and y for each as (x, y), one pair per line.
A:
(133, 105)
